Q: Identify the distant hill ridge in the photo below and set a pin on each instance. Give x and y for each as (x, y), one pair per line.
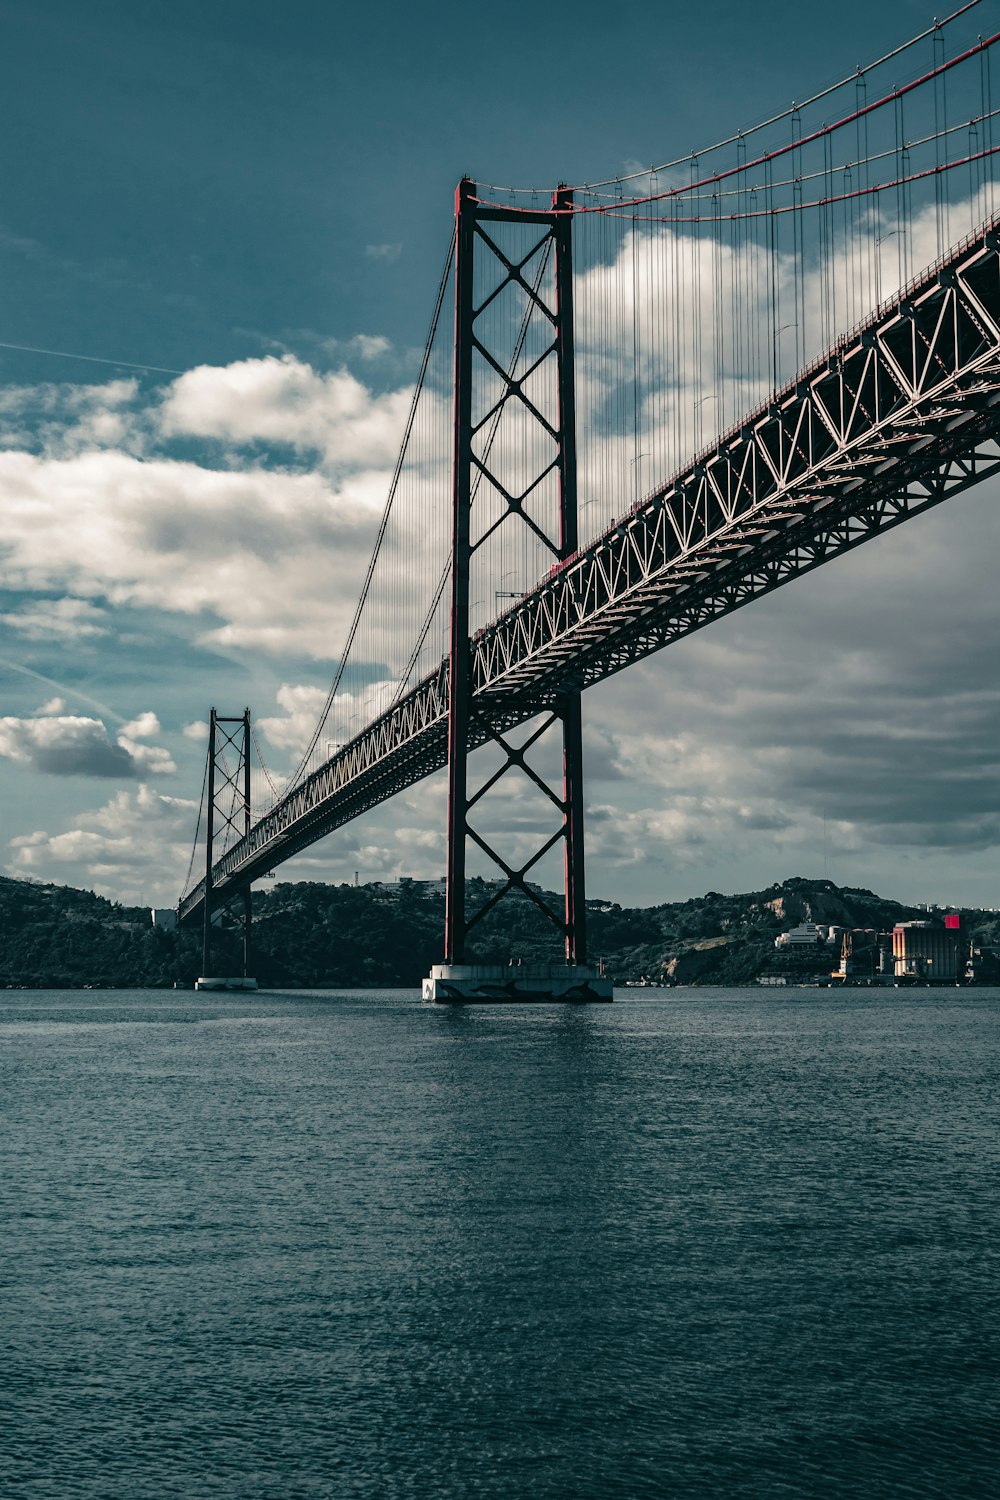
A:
(311, 934)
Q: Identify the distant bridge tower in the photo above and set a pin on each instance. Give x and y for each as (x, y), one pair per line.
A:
(227, 809)
(489, 381)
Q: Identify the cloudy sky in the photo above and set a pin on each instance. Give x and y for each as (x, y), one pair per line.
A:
(237, 213)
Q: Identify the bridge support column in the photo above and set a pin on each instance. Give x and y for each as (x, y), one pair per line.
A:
(206, 940)
(459, 675)
(537, 267)
(228, 802)
(570, 707)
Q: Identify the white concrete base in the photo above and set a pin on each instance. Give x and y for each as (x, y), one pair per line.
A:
(505, 984)
(231, 983)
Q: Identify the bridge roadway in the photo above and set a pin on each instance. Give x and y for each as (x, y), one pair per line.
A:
(899, 415)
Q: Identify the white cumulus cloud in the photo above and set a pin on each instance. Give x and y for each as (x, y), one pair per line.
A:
(71, 745)
(58, 620)
(302, 706)
(281, 400)
(142, 728)
(136, 846)
(268, 558)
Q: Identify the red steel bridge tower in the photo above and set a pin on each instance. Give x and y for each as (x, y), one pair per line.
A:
(538, 386)
(228, 810)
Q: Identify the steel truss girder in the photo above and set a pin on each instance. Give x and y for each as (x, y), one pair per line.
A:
(899, 416)
(828, 432)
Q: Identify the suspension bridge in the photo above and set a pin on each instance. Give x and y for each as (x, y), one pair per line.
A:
(642, 404)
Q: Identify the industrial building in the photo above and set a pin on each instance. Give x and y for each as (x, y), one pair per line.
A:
(929, 951)
(805, 935)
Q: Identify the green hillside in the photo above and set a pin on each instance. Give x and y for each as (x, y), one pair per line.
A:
(308, 934)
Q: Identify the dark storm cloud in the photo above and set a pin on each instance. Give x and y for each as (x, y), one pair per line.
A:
(86, 758)
(867, 693)
(65, 745)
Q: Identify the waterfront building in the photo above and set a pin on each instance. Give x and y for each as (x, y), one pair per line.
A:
(805, 935)
(928, 950)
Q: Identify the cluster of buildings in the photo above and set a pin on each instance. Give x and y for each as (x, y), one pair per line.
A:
(406, 885)
(925, 951)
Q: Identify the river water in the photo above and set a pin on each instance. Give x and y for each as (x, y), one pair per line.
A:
(704, 1243)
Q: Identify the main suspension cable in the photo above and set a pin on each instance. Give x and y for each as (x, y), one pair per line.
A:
(442, 287)
(686, 190)
(201, 812)
(742, 135)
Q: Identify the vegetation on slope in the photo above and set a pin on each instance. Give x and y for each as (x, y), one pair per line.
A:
(308, 934)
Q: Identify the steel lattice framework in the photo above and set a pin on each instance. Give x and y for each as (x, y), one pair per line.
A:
(474, 459)
(898, 416)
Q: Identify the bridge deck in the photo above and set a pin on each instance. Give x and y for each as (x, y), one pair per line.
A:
(899, 415)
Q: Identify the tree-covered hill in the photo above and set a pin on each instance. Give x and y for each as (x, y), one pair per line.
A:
(341, 935)
(52, 936)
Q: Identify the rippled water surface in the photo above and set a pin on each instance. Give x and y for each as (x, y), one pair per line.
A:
(715, 1243)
